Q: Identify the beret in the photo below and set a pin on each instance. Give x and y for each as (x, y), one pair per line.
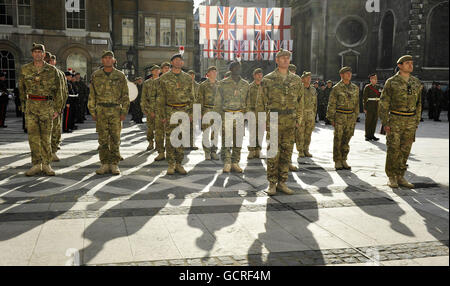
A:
(176, 56)
(283, 53)
(292, 67)
(234, 64)
(372, 74)
(155, 67)
(107, 54)
(68, 73)
(329, 81)
(165, 64)
(258, 70)
(212, 68)
(191, 72)
(306, 74)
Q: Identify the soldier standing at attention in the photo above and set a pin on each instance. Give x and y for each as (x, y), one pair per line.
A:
(343, 109)
(282, 94)
(233, 98)
(207, 95)
(175, 94)
(371, 97)
(108, 104)
(196, 100)
(160, 124)
(40, 86)
(255, 92)
(308, 123)
(400, 109)
(148, 104)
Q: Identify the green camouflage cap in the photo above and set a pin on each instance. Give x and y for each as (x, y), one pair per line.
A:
(345, 69)
(211, 68)
(165, 64)
(405, 58)
(306, 74)
(258, 70)
(283, 53)
(155, 67)
(191, 72)
(39, 47)
(292, 68)
(107, 54)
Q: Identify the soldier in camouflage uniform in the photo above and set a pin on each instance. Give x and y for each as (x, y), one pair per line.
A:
(108, 104)
(308, 123)
(175, 94)
(148, 105)
(283, 94)
(255, 91)
(196, 100)
(160, 124)
(343, 109)
(371, 97)
(400, 109)
(207, 93)
(232, 98)
(40, 86)
(293, 68)
(57, 123)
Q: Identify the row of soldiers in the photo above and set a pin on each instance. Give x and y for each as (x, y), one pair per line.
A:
(281, 92)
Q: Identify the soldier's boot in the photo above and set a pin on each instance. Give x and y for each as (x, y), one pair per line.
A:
(257, 154)
(55, 158)
(307, 154)
(338, 165)
(272, 190)
(47, 170)
(193, 148)
(180, 169)
(121, 158)
(393, 182)
(115, 170)
(208, 156)
(404, 183)
(151, 146)
(283, 188)
(301, 154)
(345, 165)
(214, 156)
(36, 169)
(293, 168)
(227, 168)
(104, 169)
(236, 169)
(160, 157)
(251, 155)
(171, 170)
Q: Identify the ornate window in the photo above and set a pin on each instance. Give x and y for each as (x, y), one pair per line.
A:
(165, 32)
(127, 32)
(6, 12)
(150, 31)
(7, 65)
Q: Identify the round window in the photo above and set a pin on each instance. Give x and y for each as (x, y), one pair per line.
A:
(351, 32)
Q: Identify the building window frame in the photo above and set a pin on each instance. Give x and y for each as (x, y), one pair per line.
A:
(161, 35)
(30, 6)
(131, 39)
(155, 18)
(183, 42)
(13, 8)
(85, 17)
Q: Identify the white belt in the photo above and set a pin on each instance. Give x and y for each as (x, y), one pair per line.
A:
(373, 99)
(73, 95)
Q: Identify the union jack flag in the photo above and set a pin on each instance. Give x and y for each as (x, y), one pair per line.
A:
(226, 19)
(258, 50)
(208, 49)
(218, 48)
(263, 23)
(239, 48)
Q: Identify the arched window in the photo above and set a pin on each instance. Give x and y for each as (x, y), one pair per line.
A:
(437, 36)
(77, 62)
(7, 65)
(387, 41)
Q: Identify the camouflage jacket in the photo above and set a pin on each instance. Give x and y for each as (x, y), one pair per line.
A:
(232, 96)
(45, 81)
(343, 98)
(370, 93)
(196, 90)
(310, 99)
(255, 92)
(112, 89)
(207, 93)
(282, 94)
(174, 90)
(401, 96)
(148, 100)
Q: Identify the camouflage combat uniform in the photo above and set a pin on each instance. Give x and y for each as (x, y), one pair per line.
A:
(343, 109)
(108, 100)
(42, 90)
(148, 105)
(400, 109)
(254, 93)
(284, 95)
(57, 122)
(196, 87)
(160, 127)
(233, 97)
(175, 94)
(308, 122)
(207, 98)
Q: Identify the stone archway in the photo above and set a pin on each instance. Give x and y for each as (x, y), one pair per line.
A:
(386, 40)
(77, 58)
(436, 51)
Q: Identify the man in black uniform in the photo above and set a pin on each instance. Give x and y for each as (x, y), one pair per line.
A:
(83, 95)
(69, 110)
(437, 97)
(3, 99)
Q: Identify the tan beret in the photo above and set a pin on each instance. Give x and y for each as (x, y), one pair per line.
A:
(405, 58)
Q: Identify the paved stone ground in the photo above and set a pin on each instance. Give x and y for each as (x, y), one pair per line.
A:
(144, 217)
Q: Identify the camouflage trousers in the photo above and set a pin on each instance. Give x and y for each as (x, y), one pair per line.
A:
(304, 132)
(40, 124)
(174, 155)
(257, 148)
(231, 155)
(278, 167)
(343, 132)
(210, 136)
(109, 128)
(160, 134)
(151, 124)
(399, 143)
(56, 133)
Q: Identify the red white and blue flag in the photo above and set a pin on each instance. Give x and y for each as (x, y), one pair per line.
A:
(226, 23)
(263, 23)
